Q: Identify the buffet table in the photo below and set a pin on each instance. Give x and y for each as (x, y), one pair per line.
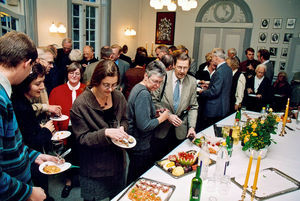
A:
(283, 156)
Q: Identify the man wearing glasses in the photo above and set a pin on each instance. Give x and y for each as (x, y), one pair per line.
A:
(177, 94)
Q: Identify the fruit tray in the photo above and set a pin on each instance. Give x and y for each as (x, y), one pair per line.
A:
(144, 189)
(169, 165)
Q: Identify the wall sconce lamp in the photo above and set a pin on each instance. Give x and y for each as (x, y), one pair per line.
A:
(60, 29)
(129, 32)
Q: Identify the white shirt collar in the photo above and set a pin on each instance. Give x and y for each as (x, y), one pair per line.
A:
(175, 78)
(234, 71)
(73, 88)
(6, 84)
(267, 61)
(220, 64)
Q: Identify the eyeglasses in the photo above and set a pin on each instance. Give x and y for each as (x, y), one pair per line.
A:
(180, 68)
(155, 81)
(108, 86)
(74, 73)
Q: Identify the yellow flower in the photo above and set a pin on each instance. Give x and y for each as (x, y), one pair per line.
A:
(246, 139)
(270, 110)
(254, 126)
(262, 121)
(254, 134)
(278, 119)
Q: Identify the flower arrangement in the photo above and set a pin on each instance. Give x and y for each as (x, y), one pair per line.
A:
(256, 134)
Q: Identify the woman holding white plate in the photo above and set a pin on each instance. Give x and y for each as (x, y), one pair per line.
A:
(35, 136)
(64, 96)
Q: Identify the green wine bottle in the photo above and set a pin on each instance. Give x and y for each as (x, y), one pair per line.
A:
(196, 185)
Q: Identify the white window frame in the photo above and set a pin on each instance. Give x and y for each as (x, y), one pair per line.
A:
(82, 23)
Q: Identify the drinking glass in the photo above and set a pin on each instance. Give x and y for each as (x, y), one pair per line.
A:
(224, 185)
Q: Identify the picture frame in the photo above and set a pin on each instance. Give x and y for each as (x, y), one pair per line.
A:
(165, 28)
(282, 65)
(287, 37)
(264, 23)
(277, 23)
(273, 51)
(275, 38)
(260, 47)
(262, 38)
(290, 23)
(284, 52)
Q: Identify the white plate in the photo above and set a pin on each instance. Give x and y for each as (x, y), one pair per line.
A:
(61, 118)
(59, 135)
(63, 167)
(121, 144)
(252, 95)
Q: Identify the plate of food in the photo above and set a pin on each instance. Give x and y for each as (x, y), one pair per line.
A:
(61, 118)
(125, 143)
(252, 95)
(50, 167)
(148, 189)
(213, 143)
(180, 164)
(59, 135)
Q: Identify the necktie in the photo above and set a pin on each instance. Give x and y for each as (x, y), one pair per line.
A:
(176, 95)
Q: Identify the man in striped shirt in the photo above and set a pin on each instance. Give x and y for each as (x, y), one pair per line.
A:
(17, 55)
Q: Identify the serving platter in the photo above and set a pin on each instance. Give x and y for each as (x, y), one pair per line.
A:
(271, 183)
(148, 187)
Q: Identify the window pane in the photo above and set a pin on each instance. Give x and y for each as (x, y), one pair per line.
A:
(92, 23)
(3, 21)
(76, 45)
(76, 35)
(92, 44)
(87, 23)
(87, 11)
(4, 31)
(87, 35)
(14, 23)
(92, 35)
(76, 22)
(75, 10)
(92, 11)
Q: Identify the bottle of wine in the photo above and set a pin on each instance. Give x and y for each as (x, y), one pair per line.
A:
(229, 142)
(196, 185)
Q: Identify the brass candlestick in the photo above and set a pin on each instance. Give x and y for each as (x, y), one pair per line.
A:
(244, 193)
(253, 193)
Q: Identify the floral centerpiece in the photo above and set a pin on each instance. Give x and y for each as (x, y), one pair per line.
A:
(256, 134)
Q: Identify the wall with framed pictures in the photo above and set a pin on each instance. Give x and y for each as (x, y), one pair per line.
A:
(274, 34)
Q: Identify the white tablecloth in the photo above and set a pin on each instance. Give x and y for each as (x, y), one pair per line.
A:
(283, 156)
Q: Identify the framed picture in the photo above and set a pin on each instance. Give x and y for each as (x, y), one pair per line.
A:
(274, 37)
(282, 65)
(165, 28)
(264, 23)
(273, 51)
(287, 37)
(262, 38)
(284, 52)
(277, 23)
(290, 23)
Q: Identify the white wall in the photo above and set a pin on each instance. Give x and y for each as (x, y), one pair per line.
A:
(125, 14)
(48, 12)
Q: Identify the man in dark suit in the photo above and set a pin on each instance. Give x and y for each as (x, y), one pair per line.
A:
(218, 91)
(258, 90)
(263, 56)
(178, 95)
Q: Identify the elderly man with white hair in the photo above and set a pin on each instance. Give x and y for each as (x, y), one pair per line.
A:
(232, 53)
(258, 90)
(218, 91)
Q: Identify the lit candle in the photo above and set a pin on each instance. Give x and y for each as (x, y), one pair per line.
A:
(286, 113)
(152, 47)
(248, 170)
(256, 171)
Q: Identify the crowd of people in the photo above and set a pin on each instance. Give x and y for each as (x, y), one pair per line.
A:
(160, 101)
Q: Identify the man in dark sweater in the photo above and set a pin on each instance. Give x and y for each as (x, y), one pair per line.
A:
(142, 119)
(17, 55)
